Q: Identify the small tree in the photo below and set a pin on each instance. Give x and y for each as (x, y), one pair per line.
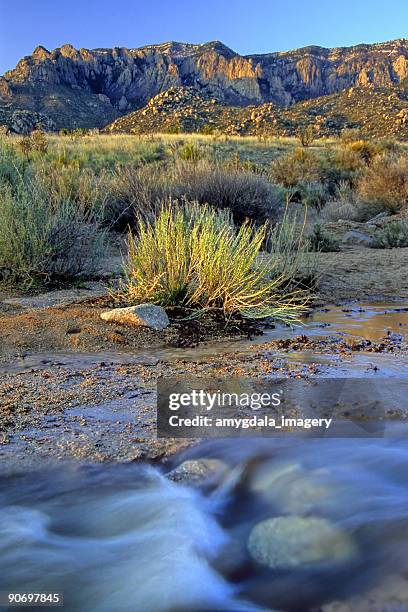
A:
(305, 135)
(25, 145)
(39, 141)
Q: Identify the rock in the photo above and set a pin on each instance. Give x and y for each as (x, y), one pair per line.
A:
(379, 217)
(290, 489)
(356, 237)
(198, 471)
(123, 104)
(287, 542)
(24, 122)
(65, 78)
(145, 315)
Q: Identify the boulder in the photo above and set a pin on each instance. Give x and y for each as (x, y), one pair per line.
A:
(198, 471)
(143, 315)
(287, 542)
(358, 238)
(290, 489)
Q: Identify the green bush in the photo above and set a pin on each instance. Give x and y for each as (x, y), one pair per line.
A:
(135, 191)
(314, 195)
(393, 235)
(306, 135)
(365, 150)
(41, 241)
(320, 241)
(193, 256)
(12, 165)
(191, 152)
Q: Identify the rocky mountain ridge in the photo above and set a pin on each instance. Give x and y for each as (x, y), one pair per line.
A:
(71, 88)
(375, 112)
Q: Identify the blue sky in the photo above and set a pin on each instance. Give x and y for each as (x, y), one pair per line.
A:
(247, 26)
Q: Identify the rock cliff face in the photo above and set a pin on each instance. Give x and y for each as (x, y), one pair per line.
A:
(90, 88)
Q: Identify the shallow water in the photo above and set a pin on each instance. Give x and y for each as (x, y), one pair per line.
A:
(124, 537)
(366, 320)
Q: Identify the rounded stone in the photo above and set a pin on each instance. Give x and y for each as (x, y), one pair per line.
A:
(287, 542)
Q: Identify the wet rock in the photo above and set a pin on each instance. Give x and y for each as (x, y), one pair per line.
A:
(145, 315)
(290, 489)
(199, 471)
(291, 541)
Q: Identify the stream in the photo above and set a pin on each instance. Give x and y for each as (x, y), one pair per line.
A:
(124, 537)
(290, 524)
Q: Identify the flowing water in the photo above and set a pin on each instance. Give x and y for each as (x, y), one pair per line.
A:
(125, 537)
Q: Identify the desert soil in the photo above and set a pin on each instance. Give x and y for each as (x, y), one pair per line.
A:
(74, 386)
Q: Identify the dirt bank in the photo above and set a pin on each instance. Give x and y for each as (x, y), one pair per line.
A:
(97, 400)
(360, 274)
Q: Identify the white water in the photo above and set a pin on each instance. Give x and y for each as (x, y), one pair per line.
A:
(125, 538)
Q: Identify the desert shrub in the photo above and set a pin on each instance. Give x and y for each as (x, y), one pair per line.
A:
(344, 205)
(70, 183)
(36, 141)
(384, 184)
(25, 145)
(288, 249)
(388, 145)
(245, 194)
(337, 210)
(191, 152)
(321, 241)
(40, 241)
(343, 165)
(305, 135)
(313, 194)
(207, 129)
(295, 167)
(135, 191)
(39, 141)
(12, 165)
(4, 131)
(350, 135)
(393, 235)
(193, 256)
(365, 150)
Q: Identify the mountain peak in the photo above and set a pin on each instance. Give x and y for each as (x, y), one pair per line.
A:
(92, 87)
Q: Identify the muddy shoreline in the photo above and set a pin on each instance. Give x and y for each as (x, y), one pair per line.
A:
(74, 387)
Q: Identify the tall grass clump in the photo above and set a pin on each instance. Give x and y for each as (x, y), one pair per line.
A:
(42, 242)
(193, 256)
(289, 249)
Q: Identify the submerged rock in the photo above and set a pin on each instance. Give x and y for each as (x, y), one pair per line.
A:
(145, 315)
(291, 541)
(290, 489)
(198, 471)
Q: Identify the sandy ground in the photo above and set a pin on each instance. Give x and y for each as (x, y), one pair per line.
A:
(101, 404)
(57, 322)
(364, 274)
